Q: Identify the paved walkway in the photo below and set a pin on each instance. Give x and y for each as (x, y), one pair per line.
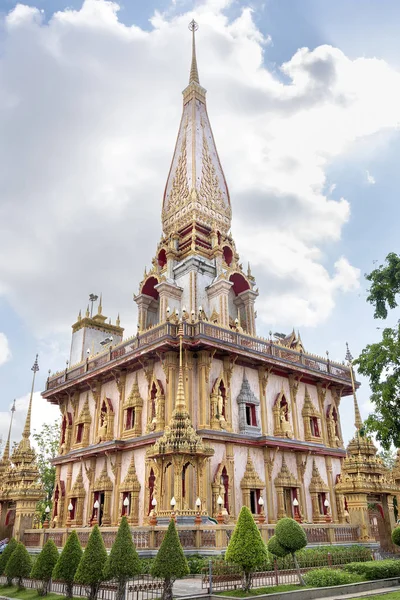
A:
(192, 587)
(188, 587)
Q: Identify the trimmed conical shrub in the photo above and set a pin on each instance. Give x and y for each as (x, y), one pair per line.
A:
(123, 561)
(90, 570)
(44, 565)
(68, 562)
(19, 564)
(170, 562)
(12, 544)
(246, 547)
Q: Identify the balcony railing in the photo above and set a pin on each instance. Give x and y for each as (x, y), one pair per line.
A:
(197, 332)
(191, 537)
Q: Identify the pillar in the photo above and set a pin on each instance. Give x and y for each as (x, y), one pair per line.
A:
(332, 492)
(204, 362)
(321, 403)
(263, 375)
(294, 382)
(117, 483)
(269, 459)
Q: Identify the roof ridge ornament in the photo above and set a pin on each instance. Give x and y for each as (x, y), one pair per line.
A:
(194, 73)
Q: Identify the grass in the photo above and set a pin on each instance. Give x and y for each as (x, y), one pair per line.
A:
(275, 589)
(389, 596)
(27, 594)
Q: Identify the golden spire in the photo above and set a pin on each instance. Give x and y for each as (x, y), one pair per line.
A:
(6, 454)
(357, 415)
(27, 429)
(180, 404)
(118, 321)
(100, 307)
(194, 74)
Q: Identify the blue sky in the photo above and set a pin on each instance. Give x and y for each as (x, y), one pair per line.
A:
(59, 227)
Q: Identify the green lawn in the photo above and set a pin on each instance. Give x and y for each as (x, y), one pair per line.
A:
(266, 590)
(389, 596)
(12, 592)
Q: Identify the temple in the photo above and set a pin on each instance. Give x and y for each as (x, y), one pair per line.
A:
(196, 415)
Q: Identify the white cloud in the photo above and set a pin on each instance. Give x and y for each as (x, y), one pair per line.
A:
(90, 110)
(370, 178)
(5, 352)
(42, 412)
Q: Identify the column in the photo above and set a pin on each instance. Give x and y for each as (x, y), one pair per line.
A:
(116, 490)
(301, 462)
(171, 365)
(204, 362)
(321, 402)
(248, 297)
(332, 493)
(263, 375)
(294, 382)
(269, 459)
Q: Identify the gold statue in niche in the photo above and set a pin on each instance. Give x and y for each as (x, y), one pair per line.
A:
(286, 428)
(103, 426)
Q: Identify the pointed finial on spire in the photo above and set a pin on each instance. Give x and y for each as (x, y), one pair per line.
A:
(118, 321)
(180, 404)
(79, 315)
(100, 307)
(6, 454)
(27, 429)
(87, 315)
(357, 415)
(194, 74)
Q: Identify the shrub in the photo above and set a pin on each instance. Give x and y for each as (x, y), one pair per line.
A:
(328, 577)
(145, 565)
(68, 562)
(196, 563)
(19, 564)
(44, 565)
(246, 547)
(123, 561)
(170, 562)
(291, 536)
(12, 544)
(375, 569)
(396, 536)
(91, 566)
(275, 548)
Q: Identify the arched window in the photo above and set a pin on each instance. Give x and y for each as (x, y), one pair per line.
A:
(225, 488)
(228, 255)
(151, 482)
(153, 396)
(162, 258)
(63, 429)
(222, 405)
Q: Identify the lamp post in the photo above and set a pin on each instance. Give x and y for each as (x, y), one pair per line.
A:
(220, 517)
(96, 507)
(327, 511)
(296, 510)
(46, 518)
(173, 503)
(261, 515)
(153, 513)
(197, 520)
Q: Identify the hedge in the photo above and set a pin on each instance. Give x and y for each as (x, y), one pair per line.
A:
(328, 577)
(375, 569)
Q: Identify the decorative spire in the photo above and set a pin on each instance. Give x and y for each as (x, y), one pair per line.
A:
(180, 404)
(118, 321)
(6, 454)
(194, 74)
(357, 415)
(100, 307)
(27, 429)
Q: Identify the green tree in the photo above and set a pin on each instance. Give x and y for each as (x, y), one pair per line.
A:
(291, 537)
(123, 561)
(170, 562)
(275, 548)
(12, 544)
(246, 547)
(396, 536)
(67, 563)
(44, 565)
(380, 361)
(388, 457)
(19, 564)
(90, 572)
(47, 440)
